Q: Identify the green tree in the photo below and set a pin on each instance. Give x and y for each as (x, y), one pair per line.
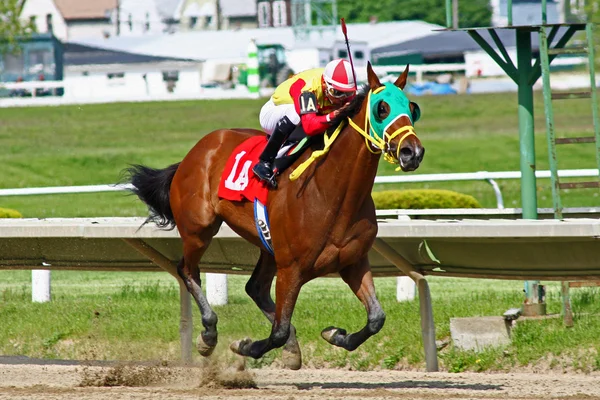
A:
(11, 27)
(470, 12)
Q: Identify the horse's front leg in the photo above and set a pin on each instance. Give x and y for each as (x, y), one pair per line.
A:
(287, 288)
(259, 289)
(193, 249)
(360, 280)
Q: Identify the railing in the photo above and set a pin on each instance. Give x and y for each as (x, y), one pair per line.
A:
(32, 86)
(489, 177)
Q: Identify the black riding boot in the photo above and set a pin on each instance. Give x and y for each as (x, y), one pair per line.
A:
(264, 168)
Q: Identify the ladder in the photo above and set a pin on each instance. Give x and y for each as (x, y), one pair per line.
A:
(546, 56)
(548, 53)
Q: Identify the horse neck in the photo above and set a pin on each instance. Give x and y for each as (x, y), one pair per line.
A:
(356, 165)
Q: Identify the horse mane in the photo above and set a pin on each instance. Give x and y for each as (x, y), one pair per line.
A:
(352, 108)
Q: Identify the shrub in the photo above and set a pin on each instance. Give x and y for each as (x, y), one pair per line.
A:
(422, 199)
(8, 213)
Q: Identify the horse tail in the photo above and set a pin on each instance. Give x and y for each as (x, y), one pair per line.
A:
(152, 186)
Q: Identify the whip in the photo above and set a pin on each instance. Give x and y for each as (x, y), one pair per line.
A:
(345, 32)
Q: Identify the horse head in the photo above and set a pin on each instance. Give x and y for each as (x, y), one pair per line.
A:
(389, 119)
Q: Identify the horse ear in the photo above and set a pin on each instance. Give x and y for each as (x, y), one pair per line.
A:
(401, 81)
(372, 77)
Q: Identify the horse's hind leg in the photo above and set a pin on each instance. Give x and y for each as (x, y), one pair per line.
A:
(287, 288)
(259, 289)
(194, 247)
(360, 280)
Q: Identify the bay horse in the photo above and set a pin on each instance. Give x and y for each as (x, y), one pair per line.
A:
(322, 223)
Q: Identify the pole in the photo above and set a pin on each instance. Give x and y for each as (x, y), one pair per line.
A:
(216, 289)
(455, 14)
(526, 138)
(405, 289)
(252, 65)
(527, 148)
(118, 18)
(40, 286)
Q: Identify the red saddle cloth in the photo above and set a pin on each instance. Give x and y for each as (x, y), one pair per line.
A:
(238, 182)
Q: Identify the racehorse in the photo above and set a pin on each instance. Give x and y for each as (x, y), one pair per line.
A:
(322, 223)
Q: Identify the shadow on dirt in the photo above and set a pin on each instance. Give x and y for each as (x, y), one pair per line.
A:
(398, 385)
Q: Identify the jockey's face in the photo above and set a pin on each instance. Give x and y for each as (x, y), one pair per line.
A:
(339, 97)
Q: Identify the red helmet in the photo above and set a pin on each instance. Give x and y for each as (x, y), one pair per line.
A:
(339, 79)
(338, 74)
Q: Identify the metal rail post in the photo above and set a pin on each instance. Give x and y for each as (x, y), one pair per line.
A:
(427, 323)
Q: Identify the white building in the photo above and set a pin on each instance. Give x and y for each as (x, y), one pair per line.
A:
(230, 46)
(93, 73)
(203, 14)
(71, 19)
(147, 17)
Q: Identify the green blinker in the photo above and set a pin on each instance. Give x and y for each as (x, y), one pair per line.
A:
(399, 106)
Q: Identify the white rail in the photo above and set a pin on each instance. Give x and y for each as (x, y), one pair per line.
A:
(490, 177)
(217, 284)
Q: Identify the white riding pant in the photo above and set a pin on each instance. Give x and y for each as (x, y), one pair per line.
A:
(270, 114)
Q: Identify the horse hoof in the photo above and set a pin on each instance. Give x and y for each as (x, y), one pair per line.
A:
(238, 346)
(204, 349)
(331, 333)
(292, 359)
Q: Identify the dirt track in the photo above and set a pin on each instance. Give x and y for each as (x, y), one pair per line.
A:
(65, 382)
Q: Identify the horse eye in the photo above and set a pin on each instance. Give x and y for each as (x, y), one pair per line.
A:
(383, 110)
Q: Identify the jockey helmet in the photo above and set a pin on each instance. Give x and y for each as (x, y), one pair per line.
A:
(339, 79)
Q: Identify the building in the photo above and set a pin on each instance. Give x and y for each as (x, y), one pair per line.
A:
(91, 72)
(223, 49)
(274, 13)
(529, 12)
(40, 58)
(71, 19)
(147, 17)
(203, 14)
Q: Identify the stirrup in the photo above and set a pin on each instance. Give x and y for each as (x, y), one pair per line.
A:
(272, 181)
(264, 172)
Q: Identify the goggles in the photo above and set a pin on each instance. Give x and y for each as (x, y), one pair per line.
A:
(338, 94)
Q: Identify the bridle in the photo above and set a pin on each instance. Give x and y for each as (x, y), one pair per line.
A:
(382, 144)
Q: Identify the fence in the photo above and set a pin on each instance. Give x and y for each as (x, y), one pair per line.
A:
(489, 177)
(216, 284)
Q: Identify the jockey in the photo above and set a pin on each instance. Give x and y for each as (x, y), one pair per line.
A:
(312, 98)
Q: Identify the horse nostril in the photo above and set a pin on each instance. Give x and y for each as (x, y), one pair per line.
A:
(421, 154)
(406, 153)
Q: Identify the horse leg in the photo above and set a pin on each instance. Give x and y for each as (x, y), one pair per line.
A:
(287, 288)
(360, 280)
(193, 249)
(259, 290)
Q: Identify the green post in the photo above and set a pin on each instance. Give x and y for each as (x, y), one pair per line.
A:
(544, 12)
(448, 13)
(252, 63)
(526, 143)
(526, 138)
(509, 12)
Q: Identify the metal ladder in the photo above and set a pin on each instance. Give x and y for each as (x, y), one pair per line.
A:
(547, 54)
